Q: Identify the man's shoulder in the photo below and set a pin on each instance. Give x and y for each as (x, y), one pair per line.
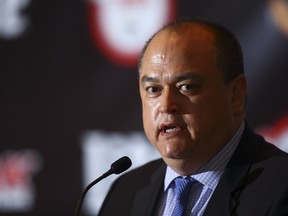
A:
(257, 151)
(274, 157)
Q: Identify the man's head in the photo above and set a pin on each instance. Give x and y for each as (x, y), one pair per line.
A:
(193, 92)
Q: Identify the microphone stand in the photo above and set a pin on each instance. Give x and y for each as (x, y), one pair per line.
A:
(117, 167)
(84, 192)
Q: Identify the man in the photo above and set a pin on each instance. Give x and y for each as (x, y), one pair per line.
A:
(193, 93)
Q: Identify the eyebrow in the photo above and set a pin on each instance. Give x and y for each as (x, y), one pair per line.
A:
(146, 78)
(185, 76)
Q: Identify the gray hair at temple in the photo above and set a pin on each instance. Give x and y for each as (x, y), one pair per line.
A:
(229, 55)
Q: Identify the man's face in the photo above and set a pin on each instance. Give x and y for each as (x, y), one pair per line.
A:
(187, 111)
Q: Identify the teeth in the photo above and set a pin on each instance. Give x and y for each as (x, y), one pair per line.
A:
(169, 130)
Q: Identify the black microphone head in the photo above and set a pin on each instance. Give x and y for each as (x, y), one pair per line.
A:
(121, 165)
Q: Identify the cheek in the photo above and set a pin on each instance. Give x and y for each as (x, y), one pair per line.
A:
(146, 113)
(201, 111)
(211, 111)
(149, 116)
(149, 106)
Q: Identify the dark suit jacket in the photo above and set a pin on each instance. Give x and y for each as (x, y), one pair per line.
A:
(255, 183)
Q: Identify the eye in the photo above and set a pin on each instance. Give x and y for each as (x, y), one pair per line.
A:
(189, 89)
(153, 89)
(186, 87)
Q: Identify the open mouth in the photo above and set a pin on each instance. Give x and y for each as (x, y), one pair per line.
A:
(170, 128)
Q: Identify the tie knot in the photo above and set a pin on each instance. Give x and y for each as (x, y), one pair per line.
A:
(183, 184)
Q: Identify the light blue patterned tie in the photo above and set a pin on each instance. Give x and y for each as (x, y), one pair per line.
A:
(182, 189)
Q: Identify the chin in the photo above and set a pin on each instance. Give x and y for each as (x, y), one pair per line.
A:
(174, 154)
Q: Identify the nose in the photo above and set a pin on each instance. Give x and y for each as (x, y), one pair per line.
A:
(169, 102)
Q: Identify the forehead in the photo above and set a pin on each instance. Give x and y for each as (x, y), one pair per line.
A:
(183, 34)
(181, 49)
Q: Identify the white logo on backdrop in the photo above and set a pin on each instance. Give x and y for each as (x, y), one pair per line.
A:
(100, 150)
(13, 22)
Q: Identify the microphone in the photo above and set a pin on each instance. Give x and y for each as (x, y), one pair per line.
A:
(117, 167)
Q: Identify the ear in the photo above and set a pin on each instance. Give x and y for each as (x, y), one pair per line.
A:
(239, 92)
